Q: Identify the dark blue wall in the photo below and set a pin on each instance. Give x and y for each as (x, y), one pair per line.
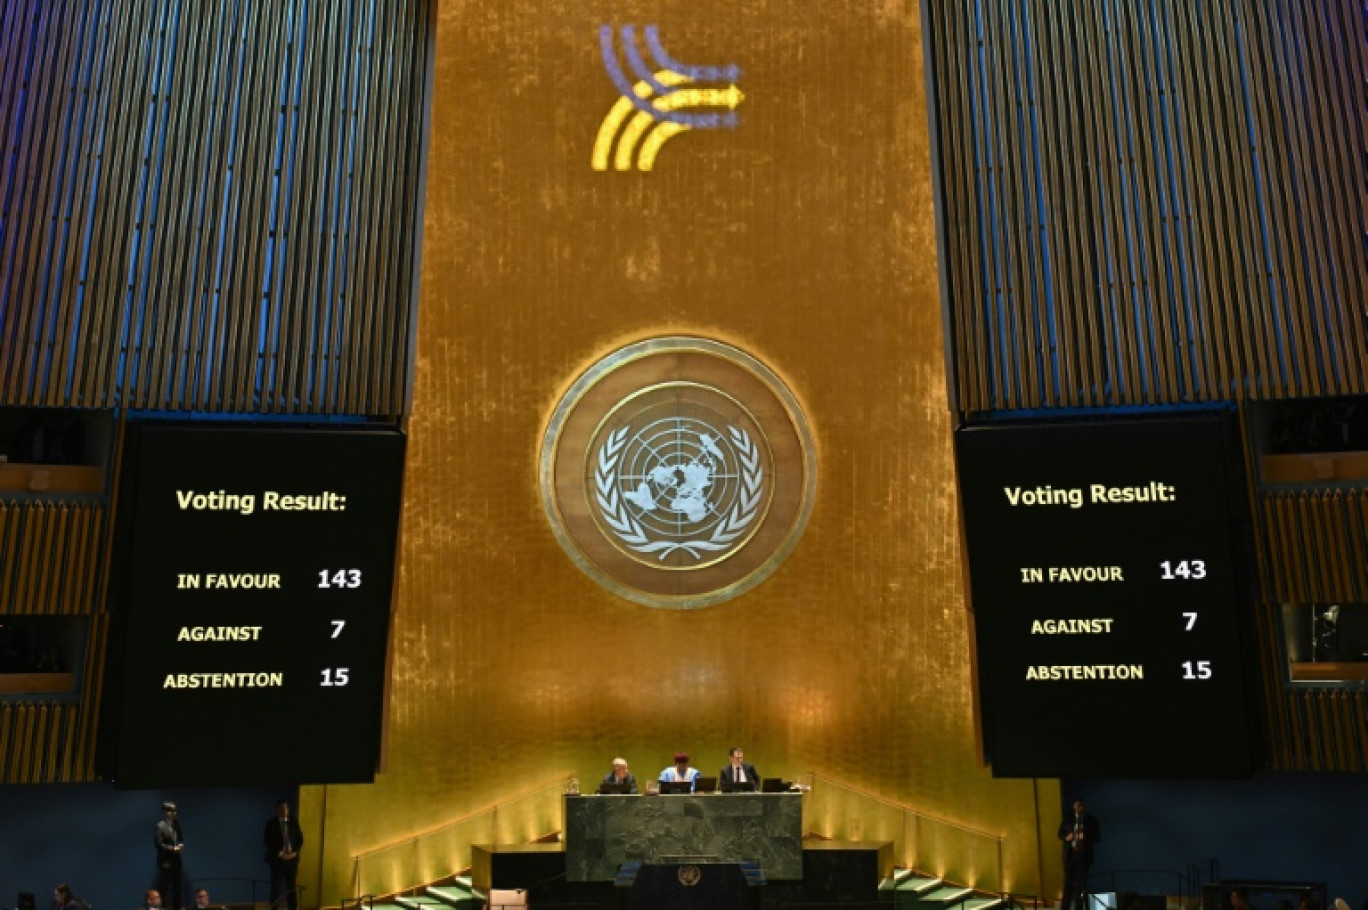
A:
(99, 841)
(1284, 827)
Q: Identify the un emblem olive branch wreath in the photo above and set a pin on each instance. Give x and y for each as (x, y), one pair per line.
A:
(610, 504)
(624, 524)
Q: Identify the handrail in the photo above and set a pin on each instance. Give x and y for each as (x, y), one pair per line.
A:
(915, 826)
(448, 825)
(427, 856)
(892, 804)
(1187, 886)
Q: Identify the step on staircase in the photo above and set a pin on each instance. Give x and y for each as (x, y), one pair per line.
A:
(459, 894)
(911, 888)
(920, 892)
(897, 878)
(979, 902)
(420, 901)
(944, 896)
(456, 893)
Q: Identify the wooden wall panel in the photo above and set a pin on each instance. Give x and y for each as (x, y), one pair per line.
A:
(1148, 202)
(50, 556)
(52, 564)
(1313, 549)
(1315, 545)
(210, 206)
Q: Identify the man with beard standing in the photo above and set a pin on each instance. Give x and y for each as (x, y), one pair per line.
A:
(283, 838)
(1079, 832)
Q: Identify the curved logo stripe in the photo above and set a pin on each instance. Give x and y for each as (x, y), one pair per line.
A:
(626, 90)
(729, 73)
(621, 109)
(638, 65)
(657, 137)
(641, 123)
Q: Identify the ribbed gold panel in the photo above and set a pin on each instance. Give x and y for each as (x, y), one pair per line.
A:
(50, 556)
(1314, 550)
(209, 206)
(1321, 730)
(804, 237)
(1315, 545)
(51, 563)
(38, 741)
(1152, 202)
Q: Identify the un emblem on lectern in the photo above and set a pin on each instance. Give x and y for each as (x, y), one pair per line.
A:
(678, 472)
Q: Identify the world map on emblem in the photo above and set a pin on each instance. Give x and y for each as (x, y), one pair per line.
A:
(679, 484)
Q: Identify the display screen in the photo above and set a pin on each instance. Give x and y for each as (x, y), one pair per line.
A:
(1109, 591)
(254, 570)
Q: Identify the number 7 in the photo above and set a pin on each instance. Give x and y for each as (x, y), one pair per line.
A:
(339, 624)
(1191, 621)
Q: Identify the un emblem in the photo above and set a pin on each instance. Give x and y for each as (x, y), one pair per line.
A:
(678, 472)
(671, 489)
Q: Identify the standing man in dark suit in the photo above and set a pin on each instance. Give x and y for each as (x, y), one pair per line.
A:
(1079, 832)
(283, 838)
(740, 772)
(170, 846)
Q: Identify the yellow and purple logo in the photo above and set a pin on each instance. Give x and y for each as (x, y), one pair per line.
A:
(667, 98)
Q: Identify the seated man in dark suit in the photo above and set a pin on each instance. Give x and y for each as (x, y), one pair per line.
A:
(738, 772)
(620, 775)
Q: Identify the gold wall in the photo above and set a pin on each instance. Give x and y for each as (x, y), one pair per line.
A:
(804, 236)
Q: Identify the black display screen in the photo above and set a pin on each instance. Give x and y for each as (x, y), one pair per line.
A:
(252, 612)
(1109, 590)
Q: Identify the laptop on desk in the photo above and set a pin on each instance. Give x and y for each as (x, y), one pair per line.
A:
(675, 786)
(774, 785)
(705, 785)
(607, 788)
(738, 786)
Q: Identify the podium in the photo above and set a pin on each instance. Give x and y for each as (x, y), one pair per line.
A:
(691, 886)
(604, 832)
